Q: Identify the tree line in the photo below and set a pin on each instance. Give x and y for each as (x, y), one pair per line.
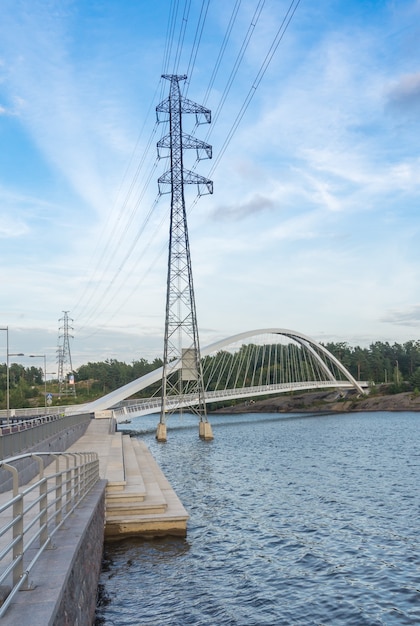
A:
(381, 362)
(105, 376)
(397, 365)
(25, 384)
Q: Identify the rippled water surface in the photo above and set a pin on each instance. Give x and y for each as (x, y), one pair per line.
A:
(293, 520)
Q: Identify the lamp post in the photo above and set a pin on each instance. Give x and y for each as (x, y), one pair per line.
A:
(42, 356)
(8, 355)
(6, 328)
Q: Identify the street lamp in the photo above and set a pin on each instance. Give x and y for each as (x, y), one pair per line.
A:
(8, 355)
(6, 328)
(42, 356)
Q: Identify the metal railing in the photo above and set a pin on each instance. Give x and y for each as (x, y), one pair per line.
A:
(37, 411)
(23, 434)
(32, 516)
(153, 405)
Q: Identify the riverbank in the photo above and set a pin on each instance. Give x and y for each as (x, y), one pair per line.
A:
(331, 402)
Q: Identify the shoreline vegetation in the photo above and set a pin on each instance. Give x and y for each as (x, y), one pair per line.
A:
(329, 402)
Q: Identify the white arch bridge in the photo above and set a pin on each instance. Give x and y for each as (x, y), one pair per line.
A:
(251, 364)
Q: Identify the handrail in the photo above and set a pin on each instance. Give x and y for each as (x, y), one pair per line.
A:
(20, 423)
(31, 517)
(21, 435)
(141, 406)
(36, 411)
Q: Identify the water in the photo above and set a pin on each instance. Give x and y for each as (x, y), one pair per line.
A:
(294, 520)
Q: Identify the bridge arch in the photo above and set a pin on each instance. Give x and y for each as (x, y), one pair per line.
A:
(300, 338)
(326, 364)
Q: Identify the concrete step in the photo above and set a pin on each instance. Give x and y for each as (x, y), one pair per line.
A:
(154, 525)
(131, 466)
(127, 509)
(149, 471)
(139, 499)
(148, 465)
(114, 469)
(130, 504)
(126, 493)
(142, 494)
(145, 458)
(108, 445)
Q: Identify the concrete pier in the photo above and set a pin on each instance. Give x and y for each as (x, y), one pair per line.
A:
(161, 432)
(205, 431)
(139, 499)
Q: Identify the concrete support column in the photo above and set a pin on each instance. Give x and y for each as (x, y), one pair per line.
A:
(205, 432)
(161, 432)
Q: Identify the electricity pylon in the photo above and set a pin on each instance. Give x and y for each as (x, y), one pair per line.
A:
(65, 367)
(181, 344)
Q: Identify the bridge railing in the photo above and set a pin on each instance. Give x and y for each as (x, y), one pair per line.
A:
(31, 517)
(152, 405)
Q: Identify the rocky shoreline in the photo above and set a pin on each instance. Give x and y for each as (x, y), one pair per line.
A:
(328, 402)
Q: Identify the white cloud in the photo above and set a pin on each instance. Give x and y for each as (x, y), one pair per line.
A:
(408, 317)
(11, 228)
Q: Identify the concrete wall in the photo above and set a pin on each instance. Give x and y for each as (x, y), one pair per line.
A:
(66, 578)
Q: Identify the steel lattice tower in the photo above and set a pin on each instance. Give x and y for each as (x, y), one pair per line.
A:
(65, 366)
(181, 343)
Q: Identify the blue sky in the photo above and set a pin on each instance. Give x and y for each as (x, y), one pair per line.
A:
(314, 222)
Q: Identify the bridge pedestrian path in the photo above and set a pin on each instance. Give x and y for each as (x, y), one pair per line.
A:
(139, 499)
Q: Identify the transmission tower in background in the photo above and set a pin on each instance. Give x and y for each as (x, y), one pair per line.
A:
(65, 368)
(181, 343)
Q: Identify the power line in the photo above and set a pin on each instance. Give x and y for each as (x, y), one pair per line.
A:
(184, 23)
(222, 50)
(169, 37)
(117, 241)
(113, 242)
(260, 74)
(196, 44)
(237, 63)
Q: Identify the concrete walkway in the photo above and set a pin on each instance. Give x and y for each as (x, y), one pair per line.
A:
(139, 499)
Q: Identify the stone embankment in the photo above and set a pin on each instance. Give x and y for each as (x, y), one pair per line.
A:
(329, 402)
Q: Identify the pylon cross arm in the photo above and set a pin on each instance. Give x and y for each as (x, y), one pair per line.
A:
(190, 178)
(188, 142)
(188, 106)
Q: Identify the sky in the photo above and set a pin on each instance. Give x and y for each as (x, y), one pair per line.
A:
(314, 222)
